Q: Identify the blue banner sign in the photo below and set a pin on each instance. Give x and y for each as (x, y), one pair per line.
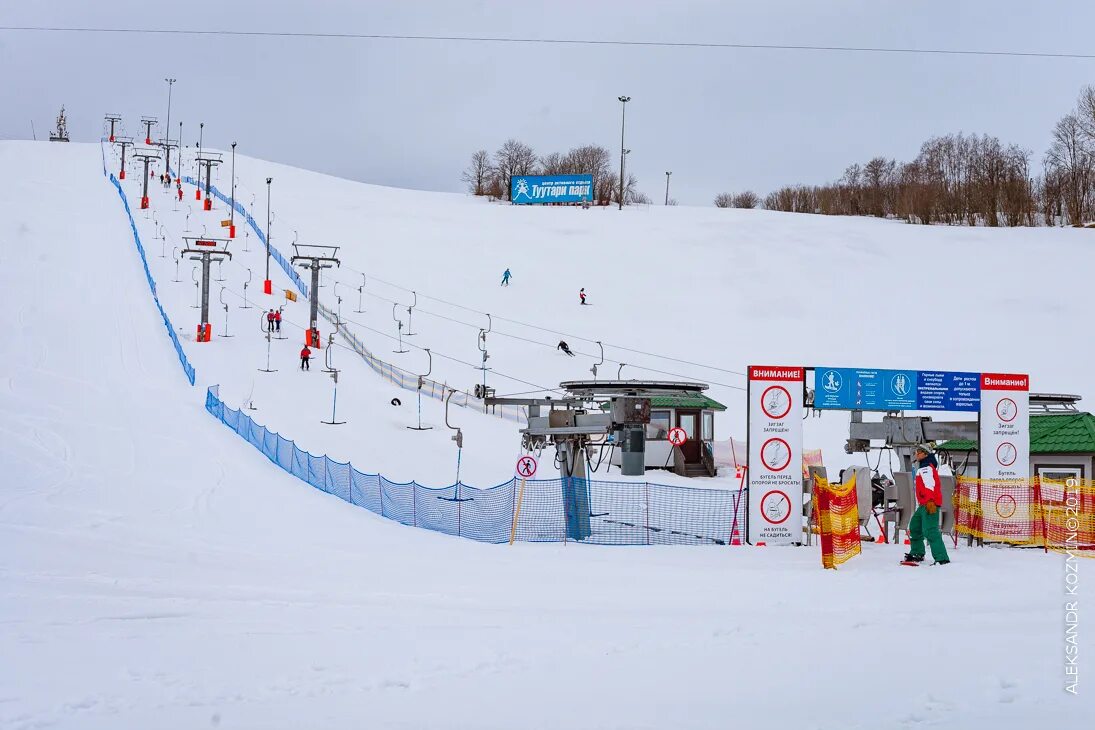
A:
(551, 188)
(863, 389)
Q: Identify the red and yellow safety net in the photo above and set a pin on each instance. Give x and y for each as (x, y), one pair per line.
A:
(838, 520)
(1050, 514)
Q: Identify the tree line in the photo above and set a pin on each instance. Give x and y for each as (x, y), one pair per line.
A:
(961, 179)
(490, 174)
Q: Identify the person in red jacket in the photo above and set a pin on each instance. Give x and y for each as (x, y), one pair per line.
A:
(277, 321)
(925, 521)
(305, 354)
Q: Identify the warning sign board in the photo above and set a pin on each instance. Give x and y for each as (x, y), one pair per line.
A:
(1005, 426)
(677, 436)
(775, 454)
(526, 467)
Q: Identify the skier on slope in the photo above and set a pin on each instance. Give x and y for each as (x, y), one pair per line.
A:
(505, 278)
(564, 347)
(925, 521)
(582, 295)
(270, 320)
(305, 355)
(277, 321)
(179, 190)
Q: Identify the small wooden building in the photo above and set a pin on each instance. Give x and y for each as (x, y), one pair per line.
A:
(695, 413)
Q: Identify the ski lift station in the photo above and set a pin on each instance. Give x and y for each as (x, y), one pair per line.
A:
(1062, 440)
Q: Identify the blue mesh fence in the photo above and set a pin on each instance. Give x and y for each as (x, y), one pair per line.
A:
(188, 369)
(274, 253)
(544, 510)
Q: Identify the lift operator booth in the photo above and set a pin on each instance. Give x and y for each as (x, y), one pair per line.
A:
(778, 396)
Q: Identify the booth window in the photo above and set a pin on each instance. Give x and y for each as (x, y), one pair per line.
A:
(1060, 473)
(658, 428)
(708, 426)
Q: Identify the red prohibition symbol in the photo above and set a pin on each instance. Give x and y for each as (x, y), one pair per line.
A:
(776, 454)
(775, 401)
(677, 436)
(526, 467)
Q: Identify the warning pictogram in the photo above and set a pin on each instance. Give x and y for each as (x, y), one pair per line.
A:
(775, 402)
(526, 467)
(1005, 506)
(1005, 454)
(1006, 410)
(677, 436)
(776, 454)
(775, 507)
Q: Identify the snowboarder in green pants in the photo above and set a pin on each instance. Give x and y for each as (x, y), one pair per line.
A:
(925, 521)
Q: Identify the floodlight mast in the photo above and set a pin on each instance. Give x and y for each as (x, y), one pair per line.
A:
(325, 257)
(206, 250)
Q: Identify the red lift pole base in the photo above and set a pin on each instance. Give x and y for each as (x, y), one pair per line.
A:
(144, 202)
(267, 287)
(208, 204)
(231, 231)
(121, 174)
(198, 194)
(204, 331)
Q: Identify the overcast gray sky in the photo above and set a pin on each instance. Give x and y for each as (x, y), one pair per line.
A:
(409, 113)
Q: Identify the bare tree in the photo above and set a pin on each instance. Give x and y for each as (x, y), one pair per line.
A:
(747, 199)
(513, 158)
(724, 200)
(1070, 158)
(478, 173)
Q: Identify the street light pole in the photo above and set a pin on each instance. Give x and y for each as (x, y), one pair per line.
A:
(167, 127)
(198, 174)
(178, 173)
(267, 286)
(667, 174)
(232, 215)
(623, 120)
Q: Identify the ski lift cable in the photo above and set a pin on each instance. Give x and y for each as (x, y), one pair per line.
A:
(579, 352)
(545, 329)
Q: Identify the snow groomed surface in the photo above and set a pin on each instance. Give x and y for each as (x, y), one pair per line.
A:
(155, 573)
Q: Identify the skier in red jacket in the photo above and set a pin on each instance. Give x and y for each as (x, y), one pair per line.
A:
(925, 521)
(305, 354)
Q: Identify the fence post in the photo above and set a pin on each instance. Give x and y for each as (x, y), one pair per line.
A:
(516, 510)
(646, 510)
(1041, 512)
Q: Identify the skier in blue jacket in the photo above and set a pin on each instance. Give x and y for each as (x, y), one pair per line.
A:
(505, 278)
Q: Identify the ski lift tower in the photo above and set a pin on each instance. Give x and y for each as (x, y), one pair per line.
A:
(123, 142)
(113, 119)
(61, 135)
(589, 413)
(314, 257)
(206, 250)
(209, 160)
(146, 154)
(169, 145)
(149, 123)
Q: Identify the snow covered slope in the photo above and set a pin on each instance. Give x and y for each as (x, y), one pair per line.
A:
(155, 571)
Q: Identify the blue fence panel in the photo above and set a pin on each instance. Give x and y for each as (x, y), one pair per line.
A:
(188, 369)
(614, 513)
(400, 502)
(365, 490)
(338, 479)
(436, 509)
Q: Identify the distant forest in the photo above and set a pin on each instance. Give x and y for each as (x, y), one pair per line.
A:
(956, 179)
(960, 179)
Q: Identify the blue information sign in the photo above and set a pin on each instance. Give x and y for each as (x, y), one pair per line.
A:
(551, 188)
(896, 390)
